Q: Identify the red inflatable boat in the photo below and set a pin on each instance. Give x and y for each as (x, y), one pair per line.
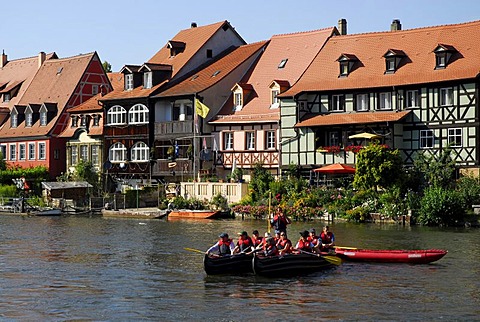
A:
(390, 256)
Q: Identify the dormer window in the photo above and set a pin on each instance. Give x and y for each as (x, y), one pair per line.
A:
(74, 121)
(238, 101)
(346, 64)
(28, 119)
(14, 119)
(282, 63)
(6, 97)
(128, 82)
(275, 93)
(147, 80)
(96, 120)
(443, 55)
(176, 47)
(83, 121)
(43, 116)
(393, 58)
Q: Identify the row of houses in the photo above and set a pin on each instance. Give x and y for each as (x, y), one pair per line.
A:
(208, 102)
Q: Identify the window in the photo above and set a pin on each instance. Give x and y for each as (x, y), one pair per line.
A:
(441, 60)
(446, 96)
(13, 152)
(95, 157)
(28, 119)
(426, 139)
(147, 80)
(74, 156)
(412, 99)
(74, 120)
(344, 68)
(22, 151)
(94, 89)
(209, 53)
(83, 121)
(3, 151)
(84, 152)
(455, 137)
(443, 55)
(275, 101)
(140, 152)
(116, 115)
(31, 151)
(362, 102)
(250, 137)
(128, 82)
(270, 137)
(138, 114)
(334, 139)
(228, 140)
(6, 97)
(96, 120)
(14, 119)
(390, 64)
(385, 101)
(43, 118)
(282, 63)
(238, 101)
(42, 151)
(338, 103)
(56, 154)
(117, 153)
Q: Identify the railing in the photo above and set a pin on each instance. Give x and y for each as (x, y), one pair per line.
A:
(173, 127)
(207, 190)
(166, 167)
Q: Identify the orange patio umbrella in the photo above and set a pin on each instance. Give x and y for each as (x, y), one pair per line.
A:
(336, 168)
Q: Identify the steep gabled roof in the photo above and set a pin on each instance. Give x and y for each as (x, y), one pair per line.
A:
(213, 73)
(418, 46)
(295, 52)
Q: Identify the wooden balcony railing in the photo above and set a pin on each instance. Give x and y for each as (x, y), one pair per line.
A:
(173, 127)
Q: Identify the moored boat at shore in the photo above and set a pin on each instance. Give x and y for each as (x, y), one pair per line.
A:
(199, 214)
(233, 264)
(424, 256)
(289, 264)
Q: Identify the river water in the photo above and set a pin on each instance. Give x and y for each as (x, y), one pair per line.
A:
(99, 269)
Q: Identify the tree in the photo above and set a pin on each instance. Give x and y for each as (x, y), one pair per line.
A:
(436, 171)
(259, 182)
(107, 67)
(378, 166)
(85, 171)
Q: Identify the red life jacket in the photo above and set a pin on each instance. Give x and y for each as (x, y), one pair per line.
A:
(283, 243)
(304, 245)
(313, 239)
(271, 250)
(327, 238)
(257, 241)
(224, 247)
(244, 243)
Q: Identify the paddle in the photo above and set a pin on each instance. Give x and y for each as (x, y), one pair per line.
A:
(342, 247)
(194, 250)
(331, 259)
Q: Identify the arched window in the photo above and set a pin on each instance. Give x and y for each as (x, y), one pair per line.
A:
(140, 152)
(117, 153)
(138, 114)
(116, 115)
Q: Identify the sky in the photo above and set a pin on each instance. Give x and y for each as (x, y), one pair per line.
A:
(131, 32)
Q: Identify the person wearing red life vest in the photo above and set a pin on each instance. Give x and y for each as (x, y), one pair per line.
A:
(244, 243)
(223, 247)
(327, 239)
(257, 240)
(284, 244)
(270, 248)
(314, 239)
(303, 244)
(280, 221)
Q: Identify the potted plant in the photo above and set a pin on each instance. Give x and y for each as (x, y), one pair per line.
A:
(171, 152)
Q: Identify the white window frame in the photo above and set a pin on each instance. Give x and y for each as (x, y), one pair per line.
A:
(28, 119)
(94, 89)
(238, 101)
(6, 97)
(128, 82)
(117, 153)
(3, 150)
(138, 114)
(275, 100)
(43, 118)
(83, 152)
(74, 155)
(385, 101)
(31, 151)
(96, 120)
(455, 137)
(116, 115)
(42, 151)
(228, 140)
(14, 119)
(12, 147)
(334, 138)
(22, 151)
(270, 140)
(83, 120)
(427, 139)
(446, 96)
(362, 102)
(140, 152)
(94, 149)
(250, 140)
(338, 103)
(412, 99)
(147, 79)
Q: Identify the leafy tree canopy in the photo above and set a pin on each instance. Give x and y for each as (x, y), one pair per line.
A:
(107, 67)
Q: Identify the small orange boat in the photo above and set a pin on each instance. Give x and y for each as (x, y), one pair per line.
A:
(196, 214)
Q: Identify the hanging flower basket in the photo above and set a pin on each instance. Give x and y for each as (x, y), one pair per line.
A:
(330, 149)
(353, 148)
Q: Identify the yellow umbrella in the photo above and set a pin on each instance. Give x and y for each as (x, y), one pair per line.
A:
(364, 135)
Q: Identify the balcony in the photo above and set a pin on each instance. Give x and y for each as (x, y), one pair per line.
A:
(166, 167)
(163, 129)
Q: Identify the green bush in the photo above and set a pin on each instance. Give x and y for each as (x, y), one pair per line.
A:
(440, 206)
(8, 191)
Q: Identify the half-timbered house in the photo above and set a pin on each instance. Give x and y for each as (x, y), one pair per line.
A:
(413, 90)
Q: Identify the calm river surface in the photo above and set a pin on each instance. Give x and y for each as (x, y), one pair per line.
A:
(98, 269)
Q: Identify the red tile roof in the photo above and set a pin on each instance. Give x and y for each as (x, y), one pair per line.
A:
(418, 68)
(352, 118)
(300, 49)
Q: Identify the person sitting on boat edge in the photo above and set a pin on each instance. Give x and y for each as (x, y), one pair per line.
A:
(327, 239)
(223, 247)
(280, 221)
(303, 244)
(314, 239)
(244, 243)
(270, 248)
(284, 244)
(257, 240)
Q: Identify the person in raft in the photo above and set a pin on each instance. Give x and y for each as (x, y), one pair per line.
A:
(280, 221)
(223, 247)
(270, 248)
(327, 238)
(316, 241)
(284, 244)
(303, 244)
(257, 240)
(244, 243)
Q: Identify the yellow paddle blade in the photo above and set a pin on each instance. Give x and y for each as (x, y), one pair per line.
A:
(333, 260)
(344, 247)
(194, 250)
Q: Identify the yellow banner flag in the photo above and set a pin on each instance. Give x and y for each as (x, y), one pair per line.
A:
(201, 109)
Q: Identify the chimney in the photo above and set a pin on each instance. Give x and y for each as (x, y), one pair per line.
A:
(3, 60)
(342, 26)
(396, 25)
(41, 58)
(193, 25)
